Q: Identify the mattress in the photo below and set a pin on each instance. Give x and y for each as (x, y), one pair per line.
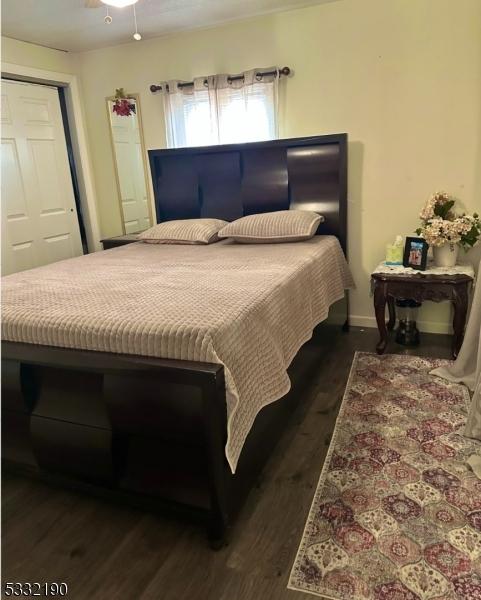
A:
(247, 307)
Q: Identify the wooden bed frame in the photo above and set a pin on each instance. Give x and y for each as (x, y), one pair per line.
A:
(153, 431)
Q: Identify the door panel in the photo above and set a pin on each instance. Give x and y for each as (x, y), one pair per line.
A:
(14, 203)
(39, 217)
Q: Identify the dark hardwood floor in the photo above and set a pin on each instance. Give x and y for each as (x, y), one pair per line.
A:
(104, 551)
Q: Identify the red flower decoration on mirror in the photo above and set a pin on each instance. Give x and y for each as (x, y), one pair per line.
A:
(123, 106)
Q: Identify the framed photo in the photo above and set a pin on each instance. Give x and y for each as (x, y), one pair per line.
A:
(415, 253)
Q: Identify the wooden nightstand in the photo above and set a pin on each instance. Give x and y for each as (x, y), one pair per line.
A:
(392, 283)
(119, 240)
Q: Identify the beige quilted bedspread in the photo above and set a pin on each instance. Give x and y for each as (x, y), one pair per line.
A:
(248, 307)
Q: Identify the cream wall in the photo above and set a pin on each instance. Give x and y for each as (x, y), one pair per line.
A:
(401, 77)
(31, 55)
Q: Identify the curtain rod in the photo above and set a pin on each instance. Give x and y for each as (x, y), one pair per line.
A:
(284, 71)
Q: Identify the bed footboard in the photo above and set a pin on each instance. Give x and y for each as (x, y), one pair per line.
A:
(148, 430)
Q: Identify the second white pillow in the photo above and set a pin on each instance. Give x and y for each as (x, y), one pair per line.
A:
(273, 227)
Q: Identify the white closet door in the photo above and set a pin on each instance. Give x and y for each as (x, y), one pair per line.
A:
(39, 218)
(130, 169)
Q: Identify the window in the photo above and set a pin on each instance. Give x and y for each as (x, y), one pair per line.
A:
(221, 109)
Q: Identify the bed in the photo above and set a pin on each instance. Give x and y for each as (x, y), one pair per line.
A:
(122, 377)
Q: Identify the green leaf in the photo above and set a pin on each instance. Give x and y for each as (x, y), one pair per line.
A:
(471, 237)
(441, 210)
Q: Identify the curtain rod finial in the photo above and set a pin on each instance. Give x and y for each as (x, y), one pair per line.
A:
(155, 88)
(285, 71)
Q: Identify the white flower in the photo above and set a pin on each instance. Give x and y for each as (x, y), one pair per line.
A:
(437, 230)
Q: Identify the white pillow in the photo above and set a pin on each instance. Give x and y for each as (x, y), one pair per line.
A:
(185, 231)
(273, 227)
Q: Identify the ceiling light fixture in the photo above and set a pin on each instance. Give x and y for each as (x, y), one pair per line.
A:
(116, 4)
(119, 3)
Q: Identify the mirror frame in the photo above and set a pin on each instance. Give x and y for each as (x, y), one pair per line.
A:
(145, 162)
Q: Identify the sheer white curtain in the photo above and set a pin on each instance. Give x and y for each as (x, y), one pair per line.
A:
(221, 110)
(467, 369)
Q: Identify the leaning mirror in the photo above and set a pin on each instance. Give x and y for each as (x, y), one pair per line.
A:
(130, 161)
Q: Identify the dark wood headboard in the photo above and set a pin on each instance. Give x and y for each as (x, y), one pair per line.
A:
(228, 182)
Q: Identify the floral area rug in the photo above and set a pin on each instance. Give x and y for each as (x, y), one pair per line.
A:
(397, 512)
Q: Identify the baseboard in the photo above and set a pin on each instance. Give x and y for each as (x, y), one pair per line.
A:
(424, 326)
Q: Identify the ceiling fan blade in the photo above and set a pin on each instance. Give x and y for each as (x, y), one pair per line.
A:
(93, 3)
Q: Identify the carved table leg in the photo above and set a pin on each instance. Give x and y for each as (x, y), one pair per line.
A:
(460, 304)
(392, 313)
(380, 298)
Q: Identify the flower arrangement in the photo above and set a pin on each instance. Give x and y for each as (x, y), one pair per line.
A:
(123, 106)
(440, 224)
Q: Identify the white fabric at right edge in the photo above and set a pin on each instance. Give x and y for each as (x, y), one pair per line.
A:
(467, 369)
